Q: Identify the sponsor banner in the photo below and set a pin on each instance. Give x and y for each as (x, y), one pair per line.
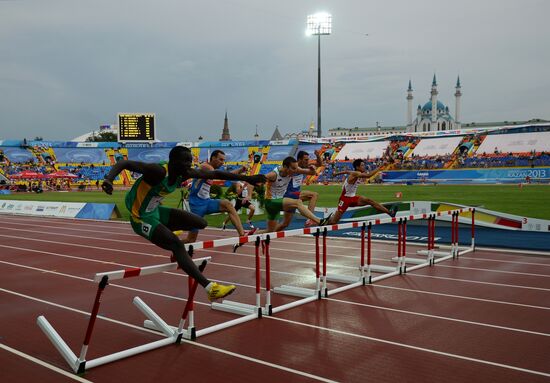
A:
(42, 208)
(225, 144)
(468, 175)
(5, 192)
(59, 209)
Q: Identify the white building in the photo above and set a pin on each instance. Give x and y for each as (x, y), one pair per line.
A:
(430, 119)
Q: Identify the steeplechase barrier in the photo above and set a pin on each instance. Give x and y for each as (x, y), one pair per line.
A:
(253, 310)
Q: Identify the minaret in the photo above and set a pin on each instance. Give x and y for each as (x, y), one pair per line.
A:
(409, 107)
(225, 133)
(458, 94)
(434, 103)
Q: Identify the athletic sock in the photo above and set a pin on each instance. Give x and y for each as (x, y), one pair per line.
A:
(209, 287)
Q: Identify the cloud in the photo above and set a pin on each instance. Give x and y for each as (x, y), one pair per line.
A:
(69, 66)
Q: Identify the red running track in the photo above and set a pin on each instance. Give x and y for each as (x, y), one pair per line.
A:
(484, 317)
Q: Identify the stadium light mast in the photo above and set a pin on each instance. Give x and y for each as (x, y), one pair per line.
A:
(317, 25)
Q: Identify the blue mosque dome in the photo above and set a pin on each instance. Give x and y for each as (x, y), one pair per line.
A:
(428, 106)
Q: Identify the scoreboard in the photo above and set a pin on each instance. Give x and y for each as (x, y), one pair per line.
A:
(136, 127)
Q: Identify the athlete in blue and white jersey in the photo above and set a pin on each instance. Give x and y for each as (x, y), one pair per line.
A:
(294, 188)
(201, 204)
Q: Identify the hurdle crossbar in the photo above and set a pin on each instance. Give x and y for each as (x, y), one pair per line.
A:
(145, 270)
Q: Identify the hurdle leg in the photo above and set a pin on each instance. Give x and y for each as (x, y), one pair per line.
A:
(317, 263)
(399, 238)
(188, 310)
(473, 246)
(404, 245)
(369, 253)
(91, 323)
(325, 289)
(268, 308)
(363, 253)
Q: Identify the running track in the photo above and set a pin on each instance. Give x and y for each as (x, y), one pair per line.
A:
(482, 318)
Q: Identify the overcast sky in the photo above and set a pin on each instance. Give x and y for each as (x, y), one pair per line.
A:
(68, 66)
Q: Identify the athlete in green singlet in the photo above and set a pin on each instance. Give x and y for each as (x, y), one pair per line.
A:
(157, 223)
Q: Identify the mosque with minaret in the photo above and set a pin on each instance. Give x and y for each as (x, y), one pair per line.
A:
(434, 115)
(427, 119)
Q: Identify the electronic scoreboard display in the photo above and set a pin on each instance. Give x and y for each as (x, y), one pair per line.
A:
(136, 127)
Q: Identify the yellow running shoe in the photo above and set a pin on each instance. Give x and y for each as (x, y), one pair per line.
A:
(219, 291)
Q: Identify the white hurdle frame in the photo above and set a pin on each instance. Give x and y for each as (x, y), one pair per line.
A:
(173, 334)
(80, 364)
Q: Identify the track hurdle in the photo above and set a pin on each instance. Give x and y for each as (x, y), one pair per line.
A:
(173, 334)
(454, 249)
(244, 308)
(306, 295)
(80, 364)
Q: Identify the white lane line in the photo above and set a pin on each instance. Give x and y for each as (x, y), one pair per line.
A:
(411, 347)
(192, 343)
(147, 243)
(182, 274)
(54, 272)
(287, 241)
(414, 274)
(97, 230)
(439, 317)
(332, 299)
(345, 333)
(240, 254)
(203, 234)
(78, 245)
(460, 297)
(118, 224)
(503, 261)
(309, 263)
(273, 258)
(495, 271)
(44, 364)
(513, 251)
(274, 248)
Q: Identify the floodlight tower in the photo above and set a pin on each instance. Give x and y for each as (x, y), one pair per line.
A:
(317, 25)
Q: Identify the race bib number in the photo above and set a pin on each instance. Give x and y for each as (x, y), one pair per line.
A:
(145, 228)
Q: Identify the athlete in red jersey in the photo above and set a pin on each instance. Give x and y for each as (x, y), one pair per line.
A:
(349, 197)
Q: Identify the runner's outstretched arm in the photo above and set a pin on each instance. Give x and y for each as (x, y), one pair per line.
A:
(221, 175)
(341, 172)
(152, 173)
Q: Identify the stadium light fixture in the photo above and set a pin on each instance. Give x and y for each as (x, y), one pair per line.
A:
(317, 25)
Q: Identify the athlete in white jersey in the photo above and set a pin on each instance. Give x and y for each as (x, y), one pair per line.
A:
(294, 188)
(276, 187)
(349, 197)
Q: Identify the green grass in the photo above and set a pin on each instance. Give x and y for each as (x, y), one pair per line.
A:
(530, 201)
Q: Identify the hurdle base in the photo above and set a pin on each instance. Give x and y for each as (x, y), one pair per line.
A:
(343, 278)
(58, 343)
(295, 291)
(435, 253)
(416, 261)
(465, 250)
(234, 307)
(382, 269)
(186, 333)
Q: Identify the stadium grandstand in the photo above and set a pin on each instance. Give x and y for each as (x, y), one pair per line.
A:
(505, 154)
